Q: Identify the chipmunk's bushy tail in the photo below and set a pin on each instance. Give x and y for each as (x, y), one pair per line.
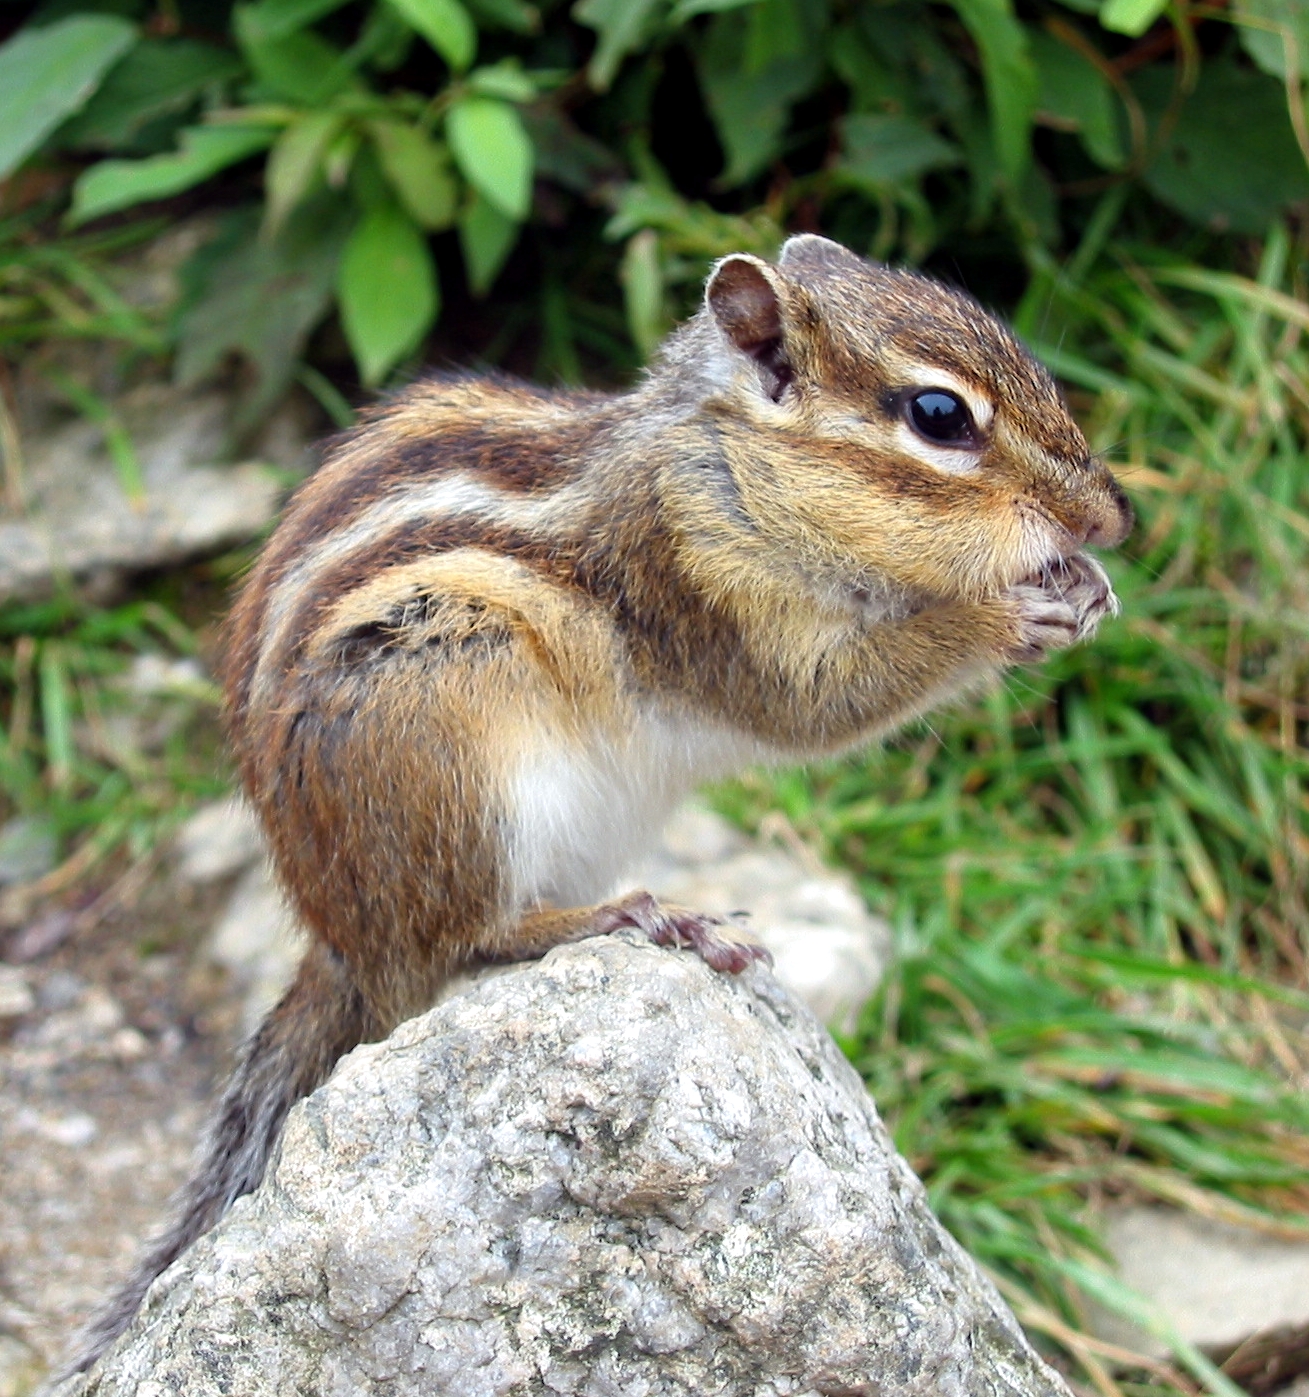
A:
(319, 1018)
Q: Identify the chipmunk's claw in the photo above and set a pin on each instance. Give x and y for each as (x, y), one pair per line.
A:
(721, 945)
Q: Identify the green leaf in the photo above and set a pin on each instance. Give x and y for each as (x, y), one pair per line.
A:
(777, 29)
(621, 25)
(688, 9)
(876, 82)
(300, 67)
(487, 238)
(1011, 82)
(275, 19)
(57, 713)
(418, 169)
(883, 150)
(505, 80)
(1132, 17)
(387, 289)
(47, 74)
(446, 25)
(1230, 161)
(1265, 27)
(259, 297)
(507, 14)
(119, 184)
(296, 158)
(494, 152)
(159, 77)
(750, 106)
(1075, 96)
(643, 291)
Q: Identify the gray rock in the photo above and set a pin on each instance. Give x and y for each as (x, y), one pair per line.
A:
(220, 839)
(80, 522)
(258, 942)
(28, 849)
(610, 1173)
(16, 997)
(1214, 1283)
(826, 945)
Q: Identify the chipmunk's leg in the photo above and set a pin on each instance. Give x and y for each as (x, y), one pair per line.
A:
(721, 945)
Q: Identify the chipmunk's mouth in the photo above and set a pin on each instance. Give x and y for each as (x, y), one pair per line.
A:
(1098, 518)
(1048, 540)
(1057, 570)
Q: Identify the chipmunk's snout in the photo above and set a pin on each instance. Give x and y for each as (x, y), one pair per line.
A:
(1113, 520)
(1091, 512)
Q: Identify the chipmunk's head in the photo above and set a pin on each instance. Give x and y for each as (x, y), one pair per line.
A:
(894, 426)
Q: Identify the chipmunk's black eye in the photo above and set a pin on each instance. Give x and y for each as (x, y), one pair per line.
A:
(940, 416)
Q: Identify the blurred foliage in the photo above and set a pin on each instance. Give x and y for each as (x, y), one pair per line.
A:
(375, 154)
(108, 741)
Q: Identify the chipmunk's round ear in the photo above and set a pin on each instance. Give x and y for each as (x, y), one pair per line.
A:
(744, 295)
(808, 250)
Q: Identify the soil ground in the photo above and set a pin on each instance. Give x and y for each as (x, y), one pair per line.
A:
(104, 1083)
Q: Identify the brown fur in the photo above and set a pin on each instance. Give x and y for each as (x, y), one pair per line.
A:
(495, 604)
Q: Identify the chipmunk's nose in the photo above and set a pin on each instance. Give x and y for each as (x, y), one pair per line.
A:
(1114, 521)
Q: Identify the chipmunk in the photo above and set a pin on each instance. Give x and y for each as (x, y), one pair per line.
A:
(502, 631)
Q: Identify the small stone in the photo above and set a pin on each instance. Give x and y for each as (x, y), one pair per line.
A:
(151, 675)
(128, 1044)
(84, 1030)
(257, 940)
(16, 997)
(60, 989)
(220, 839)
(28, 849)
(73, 1130)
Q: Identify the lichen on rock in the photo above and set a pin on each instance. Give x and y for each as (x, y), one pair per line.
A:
(609, 1173)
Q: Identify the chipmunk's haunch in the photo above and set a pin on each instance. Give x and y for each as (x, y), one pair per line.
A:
(501, 631)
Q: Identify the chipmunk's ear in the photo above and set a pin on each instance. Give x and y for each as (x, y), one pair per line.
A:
(744, 294)
(809, 251)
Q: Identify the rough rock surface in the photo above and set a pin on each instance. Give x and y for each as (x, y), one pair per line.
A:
(611, 1173)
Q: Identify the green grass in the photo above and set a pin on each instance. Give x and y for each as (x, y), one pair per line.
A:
(1096, 874)
(93, 762)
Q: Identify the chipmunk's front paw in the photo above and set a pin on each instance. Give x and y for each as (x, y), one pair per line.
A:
(719, 944)
(1063, 604)
(1085, 586)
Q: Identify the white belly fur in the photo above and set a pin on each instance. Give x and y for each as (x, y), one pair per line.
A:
(584, 807)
